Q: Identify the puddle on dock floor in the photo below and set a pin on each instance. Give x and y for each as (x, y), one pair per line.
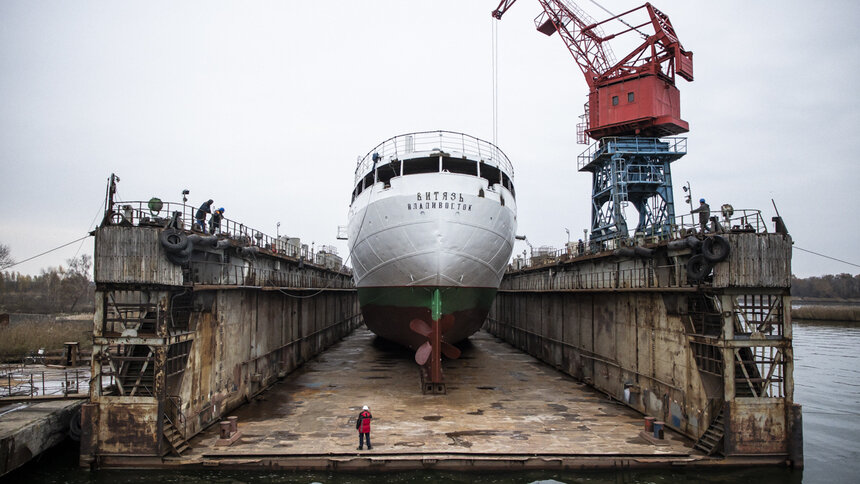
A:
(499, 401)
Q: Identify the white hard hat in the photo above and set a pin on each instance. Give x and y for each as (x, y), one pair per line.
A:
(365, 408)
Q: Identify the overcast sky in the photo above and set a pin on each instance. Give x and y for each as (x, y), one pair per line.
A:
(264, 107)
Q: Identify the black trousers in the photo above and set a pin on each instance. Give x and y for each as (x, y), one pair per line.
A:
(366, 437)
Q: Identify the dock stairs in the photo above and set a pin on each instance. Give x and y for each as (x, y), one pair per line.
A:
(710, 441)
(176, 443)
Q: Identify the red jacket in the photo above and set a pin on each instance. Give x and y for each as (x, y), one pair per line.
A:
(363, 423)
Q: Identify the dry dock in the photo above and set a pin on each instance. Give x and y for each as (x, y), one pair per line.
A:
(191, 329)
(504, 410)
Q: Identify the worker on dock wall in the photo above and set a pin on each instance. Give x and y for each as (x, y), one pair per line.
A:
(205, 208)
(704, 212)
(362, 424)
(215, 221)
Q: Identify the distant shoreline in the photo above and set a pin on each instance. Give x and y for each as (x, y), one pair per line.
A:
(820, 309)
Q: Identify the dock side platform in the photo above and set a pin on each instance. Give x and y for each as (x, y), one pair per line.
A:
(504, 410)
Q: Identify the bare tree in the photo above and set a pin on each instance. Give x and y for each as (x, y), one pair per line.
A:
(6, 259)
(76, 280)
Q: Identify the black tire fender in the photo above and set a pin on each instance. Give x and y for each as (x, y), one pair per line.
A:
(624, 252)
(75, 426)
(698, 268)
(643, 251)
(173, 240)
(716, 249)
(693, 242)
(186, 252)
(177, 258)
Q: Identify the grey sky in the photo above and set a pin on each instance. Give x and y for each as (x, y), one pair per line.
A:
(264, 106)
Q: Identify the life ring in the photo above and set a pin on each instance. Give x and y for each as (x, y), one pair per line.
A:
(716, 249)
(698, 268)
(173, 240)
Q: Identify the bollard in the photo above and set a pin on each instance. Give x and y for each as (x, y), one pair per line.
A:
(649, 424)
(225, 429)
(658, 429)
(234, 425)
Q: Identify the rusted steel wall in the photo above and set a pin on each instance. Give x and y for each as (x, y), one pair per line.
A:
(613, 341)
(682, 351)
(183, 345)
(121, 425)
(132, 255)
(249, 339)
(755, 260)
(757, 427)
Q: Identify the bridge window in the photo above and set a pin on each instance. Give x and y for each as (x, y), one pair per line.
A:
(615, 100)
(421, 165)
(507, 183)
(491, 174)
(385, 173)
(630, 97)
(458, 165)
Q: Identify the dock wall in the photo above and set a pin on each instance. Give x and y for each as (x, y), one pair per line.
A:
(711, 358)
(179, 345)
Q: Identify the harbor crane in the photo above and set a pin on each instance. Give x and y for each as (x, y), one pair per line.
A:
(632, 104)
(635, 95)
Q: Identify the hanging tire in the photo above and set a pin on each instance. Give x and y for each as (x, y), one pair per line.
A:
(693, 242)
(186, 252)
(624, 252)
(643, 251)
(698, 268)
(75, 426)
(173, 240)
(178, 259)
(715, 249)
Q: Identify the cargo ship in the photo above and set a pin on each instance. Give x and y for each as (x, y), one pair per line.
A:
(431, 231)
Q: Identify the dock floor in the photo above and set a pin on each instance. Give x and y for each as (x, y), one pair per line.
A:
(503, 409)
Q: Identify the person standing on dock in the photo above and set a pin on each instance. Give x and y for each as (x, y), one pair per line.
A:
(215, 221)
(201, 214)
(704, 212)
(363, 427)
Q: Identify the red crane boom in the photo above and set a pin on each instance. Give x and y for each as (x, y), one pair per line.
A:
(633, 96)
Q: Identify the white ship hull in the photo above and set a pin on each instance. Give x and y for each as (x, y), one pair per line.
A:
(415, 234)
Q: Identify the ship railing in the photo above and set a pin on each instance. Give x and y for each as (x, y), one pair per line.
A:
(429, 141)
(139, 213)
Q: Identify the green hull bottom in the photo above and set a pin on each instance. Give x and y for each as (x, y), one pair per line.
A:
(387, 311)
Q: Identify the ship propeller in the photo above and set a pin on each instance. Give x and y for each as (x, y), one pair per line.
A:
(434, 335)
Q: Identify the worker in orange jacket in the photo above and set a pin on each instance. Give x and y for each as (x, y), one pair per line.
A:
(362, 424)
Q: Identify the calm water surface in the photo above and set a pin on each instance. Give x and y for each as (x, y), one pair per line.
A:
(827, 384)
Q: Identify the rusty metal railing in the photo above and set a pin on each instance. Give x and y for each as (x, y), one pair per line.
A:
(742, 221)
(138, 213)
(174, 415)
(223, 273)
(32, 381)
(641, 277)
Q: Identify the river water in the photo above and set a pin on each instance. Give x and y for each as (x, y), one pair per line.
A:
(827, 384)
